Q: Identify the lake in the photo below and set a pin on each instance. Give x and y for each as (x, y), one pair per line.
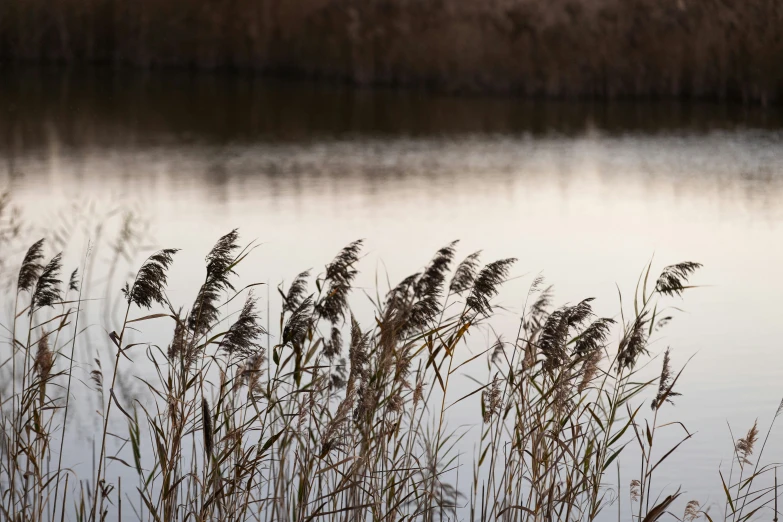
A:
(583, 193)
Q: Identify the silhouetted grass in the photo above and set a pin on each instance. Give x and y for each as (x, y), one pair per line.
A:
(559, 48)
(327, 418)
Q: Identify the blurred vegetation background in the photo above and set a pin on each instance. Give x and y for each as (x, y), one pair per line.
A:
(707, 49)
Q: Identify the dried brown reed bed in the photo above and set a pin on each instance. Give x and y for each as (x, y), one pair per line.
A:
(561, 48)
(330, 419)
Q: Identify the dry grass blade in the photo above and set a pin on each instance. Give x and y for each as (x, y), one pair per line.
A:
(657, 512)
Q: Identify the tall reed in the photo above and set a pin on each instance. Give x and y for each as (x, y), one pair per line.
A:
(326, 418)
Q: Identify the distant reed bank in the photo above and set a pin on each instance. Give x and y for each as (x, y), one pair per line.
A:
(605, 49)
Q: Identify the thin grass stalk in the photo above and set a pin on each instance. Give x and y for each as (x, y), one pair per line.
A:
(93, 512)
(68, 387)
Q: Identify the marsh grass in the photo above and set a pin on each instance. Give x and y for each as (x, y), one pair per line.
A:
(331, 419)
(559, 48)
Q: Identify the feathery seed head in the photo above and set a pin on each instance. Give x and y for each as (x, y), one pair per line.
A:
(150, 284)
(31, 267)
(593, 337)
(692, 511)
(73, 282)
(635, 487)
(673, 279)
(44, 359)
(486, 284)
(589, 368)
(340, 274)
(746, 444)
(490, 400)
(242, 335)
(334, 346)
(633, 343)
(298, 324)
(296, 292)
(47, 286)
(220, 261)
(465, 274)
(665, 393)
(206, 426)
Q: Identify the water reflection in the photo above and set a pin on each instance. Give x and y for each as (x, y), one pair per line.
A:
(739, 171)
(102, 107)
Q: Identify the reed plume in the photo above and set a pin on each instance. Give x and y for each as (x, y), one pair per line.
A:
(149, 287)
(250, 371)
(307, 434)
(465, 274)
(340, 274)
(220, 263)
(178, 347)
(73, 281)
(44, 358)
(673, 278)
(633, 343)
(357, 353)
(47, 288)
(485, 285)
(539, 310)
(692, 511)
(428, 289)
(296, 292)
(635, 485)
(334, 346)
(298, 323)
(593, 338)
(242, 335)
(555, 334)
(206, 426)
(96, 375)
(491, 400)
(665, 392)
(415, 302)
(746, 444)
(589, 369)
(31, 267)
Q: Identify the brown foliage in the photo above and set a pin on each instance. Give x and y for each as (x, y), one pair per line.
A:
(559, 48)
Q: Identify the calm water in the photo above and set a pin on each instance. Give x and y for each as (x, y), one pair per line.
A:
(585, 194)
